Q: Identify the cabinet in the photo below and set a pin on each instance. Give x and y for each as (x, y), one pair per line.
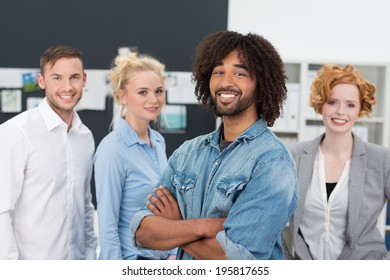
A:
(299, 122)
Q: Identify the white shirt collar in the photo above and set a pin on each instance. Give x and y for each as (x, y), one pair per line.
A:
(52, 119)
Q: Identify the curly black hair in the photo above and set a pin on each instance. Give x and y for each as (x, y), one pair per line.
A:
(262, 60)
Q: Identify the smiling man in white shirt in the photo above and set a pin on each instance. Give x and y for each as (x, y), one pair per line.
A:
(45, 169)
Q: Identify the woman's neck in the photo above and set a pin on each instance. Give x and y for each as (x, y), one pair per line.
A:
(338, 144)
(141, 128)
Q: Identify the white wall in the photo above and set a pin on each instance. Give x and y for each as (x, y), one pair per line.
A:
(355, 31)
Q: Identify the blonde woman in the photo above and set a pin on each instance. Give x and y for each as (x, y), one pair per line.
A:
(130, 160)
(344, 182)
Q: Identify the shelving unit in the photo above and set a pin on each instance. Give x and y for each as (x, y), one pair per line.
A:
(299, 122)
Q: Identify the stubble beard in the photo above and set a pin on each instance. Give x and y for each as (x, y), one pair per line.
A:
(242, 104)
(61, 109)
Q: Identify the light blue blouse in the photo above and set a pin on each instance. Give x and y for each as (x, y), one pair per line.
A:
(126, 171)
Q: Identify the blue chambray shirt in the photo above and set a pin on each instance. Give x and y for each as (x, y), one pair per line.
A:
(252, 182)
(126, 171)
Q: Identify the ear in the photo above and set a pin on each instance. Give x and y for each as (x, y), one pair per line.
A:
(84, 79)
(122, 96)
(41, 81)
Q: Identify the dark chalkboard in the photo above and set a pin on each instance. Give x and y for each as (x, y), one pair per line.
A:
(168, 30)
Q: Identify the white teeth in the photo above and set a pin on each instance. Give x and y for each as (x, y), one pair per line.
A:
(66, 96)
(339, 121)
(227, 95)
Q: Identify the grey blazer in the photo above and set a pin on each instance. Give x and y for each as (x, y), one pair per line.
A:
(369, 190)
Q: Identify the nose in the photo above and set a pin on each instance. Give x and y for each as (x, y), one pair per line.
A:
(340, 109)
(227, 81)
(67, 85)
(153, 99)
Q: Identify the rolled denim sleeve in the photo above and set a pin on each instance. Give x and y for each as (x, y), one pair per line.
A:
(136, 221)
(232, 250)
(257, 218)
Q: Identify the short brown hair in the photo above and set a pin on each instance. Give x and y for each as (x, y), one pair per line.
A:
(52, 54)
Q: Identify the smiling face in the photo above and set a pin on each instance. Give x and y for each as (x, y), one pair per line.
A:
(342, 109)
(232, 88)
(63, 83)
(144, 96)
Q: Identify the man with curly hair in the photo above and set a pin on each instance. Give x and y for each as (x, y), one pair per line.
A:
(228, 194)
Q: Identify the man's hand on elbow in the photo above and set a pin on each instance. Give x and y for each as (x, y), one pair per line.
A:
(164, 204)
(211, 226)
(168, 216)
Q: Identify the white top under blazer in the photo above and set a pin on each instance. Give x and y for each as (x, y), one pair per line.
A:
(324, 221)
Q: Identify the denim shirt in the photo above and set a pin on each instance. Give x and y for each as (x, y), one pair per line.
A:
(252, 183)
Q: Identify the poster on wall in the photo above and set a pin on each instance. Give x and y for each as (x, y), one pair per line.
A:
(174, 119)
(25, 78)
(33, 102)
(180, 89)
(95, 92)
(11, 100)
(30, 81)
(11, 78)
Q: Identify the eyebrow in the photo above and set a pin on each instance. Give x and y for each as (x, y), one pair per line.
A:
(72, 75)
(146, 88)
(348, 100)
(242, 66)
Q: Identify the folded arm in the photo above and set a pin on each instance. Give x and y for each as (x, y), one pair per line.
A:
(160, 233)
(167, 228)
(205, 249)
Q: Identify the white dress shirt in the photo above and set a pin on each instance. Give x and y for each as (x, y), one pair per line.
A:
(324, 221)
(45, 197)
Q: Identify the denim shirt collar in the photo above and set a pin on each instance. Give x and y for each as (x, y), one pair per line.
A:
(252, 132)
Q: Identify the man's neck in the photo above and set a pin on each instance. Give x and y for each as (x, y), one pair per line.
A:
(235, 126)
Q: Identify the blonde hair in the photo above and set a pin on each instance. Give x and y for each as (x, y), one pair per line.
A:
(331, 75)
(125, 66)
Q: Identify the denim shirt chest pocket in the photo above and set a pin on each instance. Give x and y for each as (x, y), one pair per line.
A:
(226, 193)
(184, 185)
